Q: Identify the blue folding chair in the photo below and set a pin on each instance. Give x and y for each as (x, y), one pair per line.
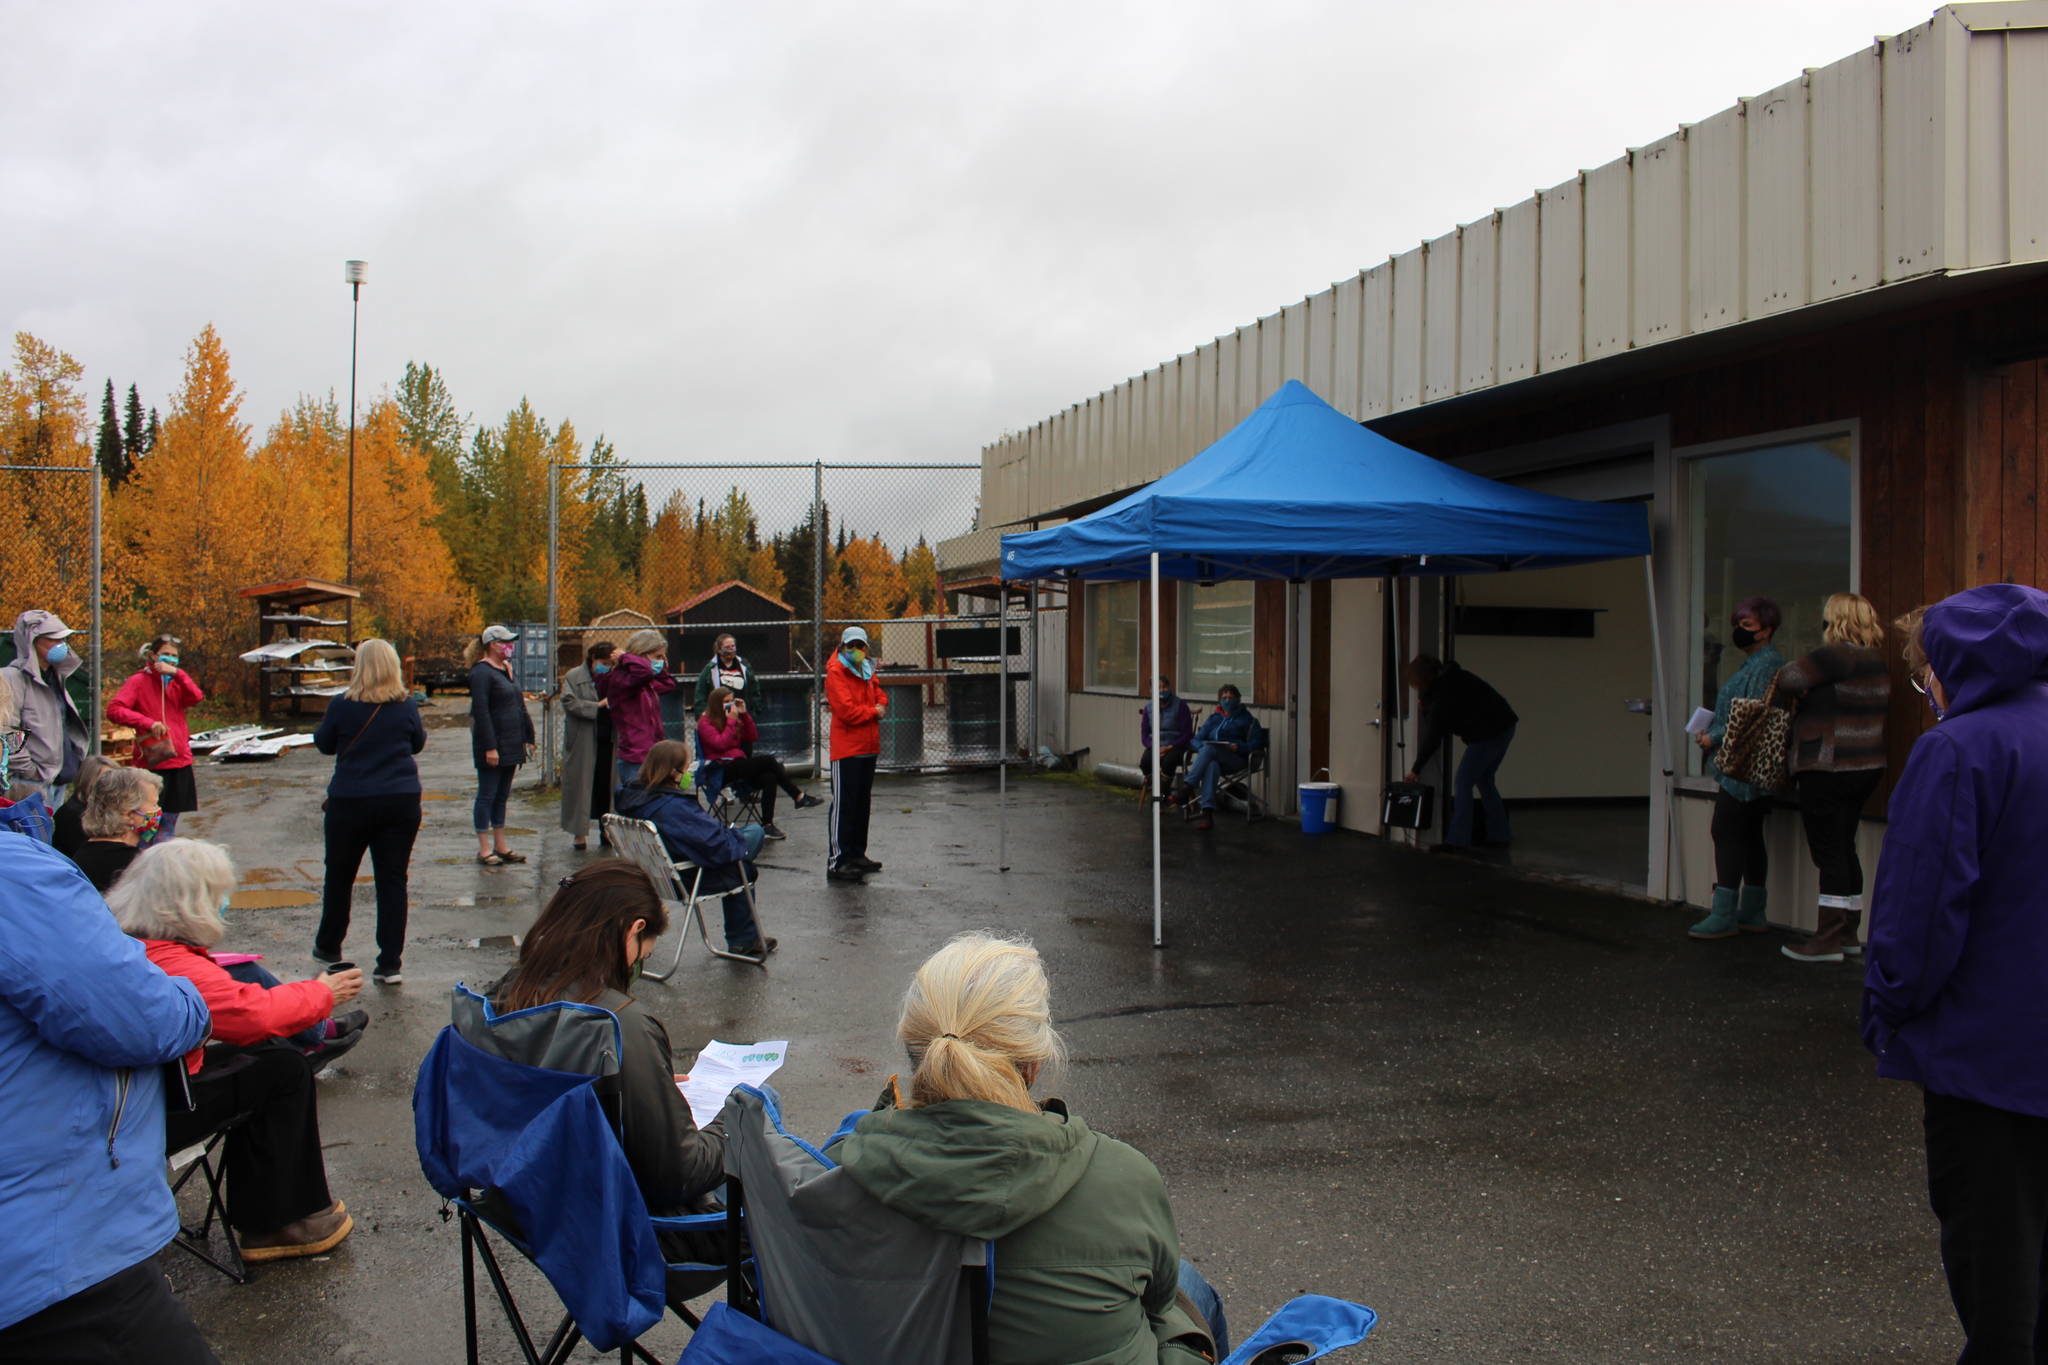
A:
(532, 1153)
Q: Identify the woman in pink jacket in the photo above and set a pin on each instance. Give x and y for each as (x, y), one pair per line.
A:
(725, 735)
(153, 702)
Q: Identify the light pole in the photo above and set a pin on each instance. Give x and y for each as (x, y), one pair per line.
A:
(353, 272)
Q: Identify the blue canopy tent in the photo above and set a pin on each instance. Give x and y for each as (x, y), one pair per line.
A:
(1299, 491)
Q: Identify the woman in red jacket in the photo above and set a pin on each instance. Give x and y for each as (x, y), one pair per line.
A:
(153, 702)
(171, 898)
(857, 703)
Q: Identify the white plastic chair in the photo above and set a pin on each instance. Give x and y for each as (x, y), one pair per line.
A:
(681, 882)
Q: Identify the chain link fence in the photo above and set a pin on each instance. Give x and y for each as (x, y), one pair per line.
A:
(783, 557)
(50, 536)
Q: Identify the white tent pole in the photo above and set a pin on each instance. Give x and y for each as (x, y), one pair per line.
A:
(1395, 587)
(1158, 767)
(1002, 726)
(1667, 763)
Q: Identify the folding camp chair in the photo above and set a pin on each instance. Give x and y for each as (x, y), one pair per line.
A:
(1236, 790)
(733, 803)
(531, 1153)
(837, 1278)
(682, 882)
(202, 1158)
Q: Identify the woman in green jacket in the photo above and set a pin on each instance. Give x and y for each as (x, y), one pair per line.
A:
(1742, 860)
(1088, 1266)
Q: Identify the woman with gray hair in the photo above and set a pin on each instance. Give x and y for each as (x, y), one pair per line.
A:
(120, 815)
(277, 1199)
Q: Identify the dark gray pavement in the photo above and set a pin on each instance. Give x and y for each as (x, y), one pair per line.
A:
(1524, 1122)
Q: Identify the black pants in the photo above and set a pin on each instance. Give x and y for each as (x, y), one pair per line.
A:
(1176, 755)
(602, 779)
(1987, 1178)
(386, 826)
(129, 1316)
(1831, 806)
(275, 1173)
(1740, 854)
(764, 773)
(853, 786)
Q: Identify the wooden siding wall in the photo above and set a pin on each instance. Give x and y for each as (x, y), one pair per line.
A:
(1269, 644)
(1951, 452)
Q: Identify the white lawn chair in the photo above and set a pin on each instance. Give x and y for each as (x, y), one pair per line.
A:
(681, 882)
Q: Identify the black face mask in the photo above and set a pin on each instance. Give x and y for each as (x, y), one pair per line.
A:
(1743, 637)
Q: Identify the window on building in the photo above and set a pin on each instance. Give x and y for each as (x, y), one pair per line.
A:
(1772, 521)
(1112, 636)
(1216, 638)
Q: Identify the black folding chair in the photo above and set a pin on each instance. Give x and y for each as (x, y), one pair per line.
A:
(202, 1159)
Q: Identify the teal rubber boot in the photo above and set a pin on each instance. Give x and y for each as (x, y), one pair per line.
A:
(1720, 920)
(1749, 915)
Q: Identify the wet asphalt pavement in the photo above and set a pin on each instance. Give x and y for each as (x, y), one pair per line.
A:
(1523, 1122)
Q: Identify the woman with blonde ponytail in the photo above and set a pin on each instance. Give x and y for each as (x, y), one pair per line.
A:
(1087, 1261)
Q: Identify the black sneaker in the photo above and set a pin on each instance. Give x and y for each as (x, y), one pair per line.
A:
(864, 864)
(333, 1050)
(323, 957)
(759, 948)
(388, 977)
(769, 831)
(806, 801)
(844, 874)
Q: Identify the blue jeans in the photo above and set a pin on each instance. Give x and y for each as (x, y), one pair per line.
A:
(629, 771)
(1475, 770)
(1209, 1302)
(493, 789)
(741, 931)
(253, 974)
(1212, 761)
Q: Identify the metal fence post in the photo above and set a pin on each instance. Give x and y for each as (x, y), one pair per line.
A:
(98, 640)
(818, 618)
(549, 772)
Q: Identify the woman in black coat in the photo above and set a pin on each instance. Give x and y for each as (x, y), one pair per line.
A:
(500, 738)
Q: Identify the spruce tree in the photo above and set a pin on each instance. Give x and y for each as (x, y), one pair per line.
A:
(112, 458)
(134, 430)
(155, 429)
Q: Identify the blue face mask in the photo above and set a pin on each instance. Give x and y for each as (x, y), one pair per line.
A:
(600, 669)
(1226, 704)
(658, 665)
(59, 652)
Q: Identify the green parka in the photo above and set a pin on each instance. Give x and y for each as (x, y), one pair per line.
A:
(1087, 1264)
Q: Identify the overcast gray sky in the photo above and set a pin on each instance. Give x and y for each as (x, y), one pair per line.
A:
(792, 231)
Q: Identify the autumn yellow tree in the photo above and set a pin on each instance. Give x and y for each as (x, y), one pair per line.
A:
(411, 594)
(671, 567)
(187, 521)
(300, 476)
(45, 519)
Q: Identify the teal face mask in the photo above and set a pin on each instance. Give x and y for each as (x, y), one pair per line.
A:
(600, 669)
(659, 665)
(59, 652)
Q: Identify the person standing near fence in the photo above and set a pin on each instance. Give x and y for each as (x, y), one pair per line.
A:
(53, 735)
(727, 670)
(857, 703)
(587, 773)
(634, 688)
(153, 703)
(500, 737)
(373, 803)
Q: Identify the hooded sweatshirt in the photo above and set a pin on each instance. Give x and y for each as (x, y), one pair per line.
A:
(1957, 961)
(1087, 1263)
(53, 733)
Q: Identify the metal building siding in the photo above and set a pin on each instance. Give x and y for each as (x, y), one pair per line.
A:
(1478, 302)
(1561, 291)
(1845, 125)
(2026, 131)
(1713, 210)
(1202, 408)
(1515, 339)
(1376, 342)
(1775, 233)
(1405, 341)
(1657, 240)
(1321, 362)
(1609, 243)
(1227, 347)
(1990, 218)
(1347, 325)
(1925, 124)
(1440, 270)
(1251, 360)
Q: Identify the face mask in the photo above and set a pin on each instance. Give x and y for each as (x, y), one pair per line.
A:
(59, 652)
(1743, 637)
(633, 972)
(151, 825)
(502, 649)
(224, 902)
(600, 669)
(1226, 704)
(856, 653)
(169, 661)
(1932, 705)
(659, 665)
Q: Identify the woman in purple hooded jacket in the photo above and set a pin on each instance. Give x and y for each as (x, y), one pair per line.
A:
(1956, 987)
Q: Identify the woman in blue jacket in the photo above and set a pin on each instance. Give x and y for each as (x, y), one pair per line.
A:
(692, 835)
(1957, 962)
(1224, 744)
(500, 737)
(86, 1025)
(1742, 858)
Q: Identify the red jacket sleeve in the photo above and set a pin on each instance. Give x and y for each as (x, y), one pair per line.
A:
(244, 1014)
(850, 698)
(124, 709)
(184, 690)
(749, 732)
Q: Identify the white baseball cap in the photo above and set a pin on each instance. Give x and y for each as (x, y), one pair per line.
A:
(498, 634)
(853, 634)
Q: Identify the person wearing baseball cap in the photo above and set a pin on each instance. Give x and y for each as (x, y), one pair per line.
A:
(857, 703)
(54, 737)
(500, 738)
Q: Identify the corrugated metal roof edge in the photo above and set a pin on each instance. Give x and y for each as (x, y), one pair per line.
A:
(1992, 15)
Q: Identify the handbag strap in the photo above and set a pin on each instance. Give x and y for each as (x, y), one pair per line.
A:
(358, 734)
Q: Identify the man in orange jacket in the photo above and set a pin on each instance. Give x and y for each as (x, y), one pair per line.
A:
(857, 703)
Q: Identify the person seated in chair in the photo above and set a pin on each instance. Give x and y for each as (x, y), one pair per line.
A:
(120, 816)
(586, 948)
(692, 835)
(1176, 734)
(1225, 744)
(1087, 1262)
(278, 1200)
(725, 735)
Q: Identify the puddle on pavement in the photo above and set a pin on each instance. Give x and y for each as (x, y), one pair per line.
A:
(479, 900)
(436, 796)
(496, 941)
(514, 829)
(262, 876)
(270, 900)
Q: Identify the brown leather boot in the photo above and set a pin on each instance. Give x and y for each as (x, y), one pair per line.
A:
(1826, 943)
(312, 1235)
(1852, 933)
